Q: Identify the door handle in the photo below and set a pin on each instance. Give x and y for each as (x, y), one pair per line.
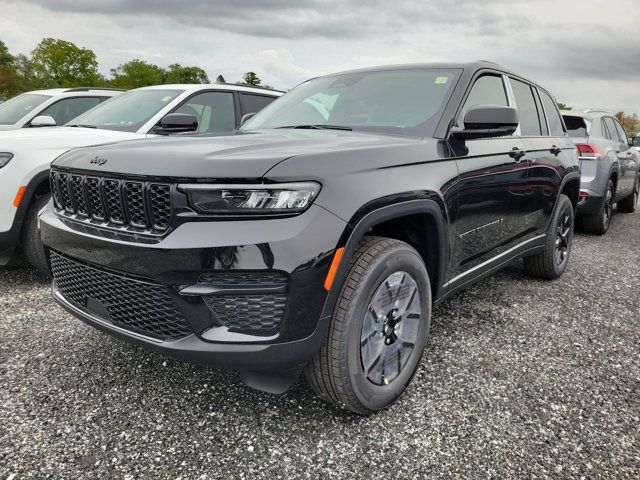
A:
(517, 154)
(555, 150)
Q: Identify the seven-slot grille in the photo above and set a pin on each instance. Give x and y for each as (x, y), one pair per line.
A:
(132, 204)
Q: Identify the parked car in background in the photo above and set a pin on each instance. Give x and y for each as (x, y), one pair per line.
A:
(48, 108)
(319, 236)
(609, 167)
(25, 154)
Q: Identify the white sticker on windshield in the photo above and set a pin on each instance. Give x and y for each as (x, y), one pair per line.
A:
(167, 98)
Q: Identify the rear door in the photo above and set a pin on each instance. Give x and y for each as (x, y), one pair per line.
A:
(547, 145)
(492, 185)
(628, 161)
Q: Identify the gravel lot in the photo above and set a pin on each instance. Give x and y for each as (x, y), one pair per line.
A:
(523, 378)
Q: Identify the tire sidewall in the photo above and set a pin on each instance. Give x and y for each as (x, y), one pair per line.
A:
(371, 396)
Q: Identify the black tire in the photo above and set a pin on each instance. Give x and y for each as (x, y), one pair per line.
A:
(599, 223)
(337, 373)
(628, 205)
(552, 262)
(30, 239)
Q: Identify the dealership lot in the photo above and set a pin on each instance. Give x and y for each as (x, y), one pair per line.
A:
(523, 378)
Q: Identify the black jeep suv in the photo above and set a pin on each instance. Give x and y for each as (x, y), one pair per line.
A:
(317, 238)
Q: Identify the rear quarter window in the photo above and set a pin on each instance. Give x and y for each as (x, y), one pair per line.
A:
(553, 116)
(254, 103)
(577, 126)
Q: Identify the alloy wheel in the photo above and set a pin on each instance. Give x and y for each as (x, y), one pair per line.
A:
(563, 238)
(390, 328)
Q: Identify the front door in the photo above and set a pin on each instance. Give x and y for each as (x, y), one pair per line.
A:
(491, 188)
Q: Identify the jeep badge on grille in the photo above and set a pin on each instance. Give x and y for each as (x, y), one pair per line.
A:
(98, 160)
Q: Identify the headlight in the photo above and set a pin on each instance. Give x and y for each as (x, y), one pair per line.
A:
(281, 198)
(5, 157)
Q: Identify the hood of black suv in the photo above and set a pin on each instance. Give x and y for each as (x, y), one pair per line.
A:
(243, 155)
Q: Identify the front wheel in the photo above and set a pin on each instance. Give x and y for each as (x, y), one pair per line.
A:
(552, 261)
(378, 331)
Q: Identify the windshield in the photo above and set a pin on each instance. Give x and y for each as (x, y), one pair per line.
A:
(13, 110)
(636, 141)
(127, 112)
(405, 102)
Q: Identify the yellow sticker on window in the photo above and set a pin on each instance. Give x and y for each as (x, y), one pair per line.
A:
(441, 80)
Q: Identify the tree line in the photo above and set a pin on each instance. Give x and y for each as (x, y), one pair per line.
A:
(57, 63)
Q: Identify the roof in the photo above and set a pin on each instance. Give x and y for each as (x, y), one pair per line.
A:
(587, 113)
(194, 87)
(468, 66)
(60, 91)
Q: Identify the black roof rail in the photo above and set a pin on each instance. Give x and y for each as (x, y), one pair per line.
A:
(87, 89)
(259, 87)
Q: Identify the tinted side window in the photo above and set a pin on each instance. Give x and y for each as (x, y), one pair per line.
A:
(527, 111)
(541, 118)
(611, 129)
(254, 103)
(488, 90)
(553, 116)
(66, 110)
(215, 111)
(621, 133)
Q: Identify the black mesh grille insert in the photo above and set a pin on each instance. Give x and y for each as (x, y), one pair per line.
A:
(249, 312)
(78, 195)
(94, 198)
(134, 194)
(55, 189)
(160, 199)
(113, 201)
(255, 312)
(133, 304)
(65, 192)
(141, 207)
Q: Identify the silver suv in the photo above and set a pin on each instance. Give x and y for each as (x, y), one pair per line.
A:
(609, 166)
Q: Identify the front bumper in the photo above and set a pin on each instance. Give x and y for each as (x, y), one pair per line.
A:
(299, 247)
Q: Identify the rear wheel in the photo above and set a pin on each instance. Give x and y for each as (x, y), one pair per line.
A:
(552, 261)
(378, 331)
(628, 205)
(30, 240)
(599, 223)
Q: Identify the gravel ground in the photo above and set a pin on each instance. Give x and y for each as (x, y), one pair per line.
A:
(523, 379)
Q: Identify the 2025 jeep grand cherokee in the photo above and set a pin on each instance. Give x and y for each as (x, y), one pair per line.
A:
(317, 238)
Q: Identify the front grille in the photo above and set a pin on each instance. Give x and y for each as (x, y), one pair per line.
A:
(251, 313)
(136, 305)
(142, 207)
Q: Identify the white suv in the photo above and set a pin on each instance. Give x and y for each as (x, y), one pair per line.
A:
(25, 154)
(48, 108)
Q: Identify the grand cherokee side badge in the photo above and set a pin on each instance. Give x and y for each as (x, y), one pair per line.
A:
(98, 160)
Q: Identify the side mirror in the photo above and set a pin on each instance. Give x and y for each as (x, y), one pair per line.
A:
(177, 123)
(43, 121)
(487, 121)
(246, 117)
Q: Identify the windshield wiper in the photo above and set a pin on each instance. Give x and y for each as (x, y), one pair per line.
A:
(319, 127)
(82, 125)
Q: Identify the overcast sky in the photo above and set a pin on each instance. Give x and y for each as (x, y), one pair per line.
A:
(585, 51)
